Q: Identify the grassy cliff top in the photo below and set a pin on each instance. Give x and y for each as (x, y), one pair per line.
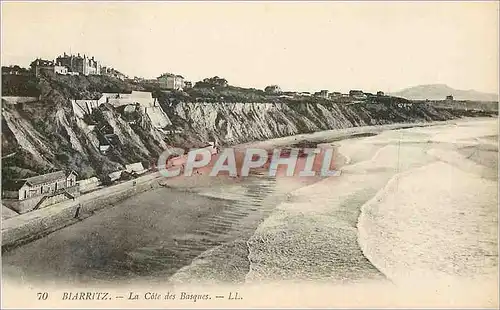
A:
(92, 86)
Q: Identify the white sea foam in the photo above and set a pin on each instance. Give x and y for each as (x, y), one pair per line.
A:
(436, 221)
(313, 237)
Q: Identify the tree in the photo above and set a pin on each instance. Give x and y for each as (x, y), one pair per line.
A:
(212, 82)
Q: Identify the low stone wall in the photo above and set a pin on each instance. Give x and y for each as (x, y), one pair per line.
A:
(88, 185)
(65, 216)
(22, 206)
(52, 200)
(91, 206)
(38, 227)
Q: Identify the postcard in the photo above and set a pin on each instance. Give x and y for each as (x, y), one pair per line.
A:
(295, 154)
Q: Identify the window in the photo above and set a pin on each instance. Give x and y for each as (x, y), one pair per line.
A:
(45, 189)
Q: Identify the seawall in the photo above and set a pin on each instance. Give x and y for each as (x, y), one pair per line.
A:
(34, 225)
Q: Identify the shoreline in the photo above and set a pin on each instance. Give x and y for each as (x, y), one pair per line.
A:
(202, 264)
(314, 219)
(28, 227)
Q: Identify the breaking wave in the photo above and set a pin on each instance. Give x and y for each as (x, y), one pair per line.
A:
(310, 239)
(444, 235)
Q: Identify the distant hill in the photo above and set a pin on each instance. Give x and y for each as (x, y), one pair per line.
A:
(440, 91)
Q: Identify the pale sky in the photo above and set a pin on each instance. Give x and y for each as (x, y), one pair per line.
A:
(297, 45)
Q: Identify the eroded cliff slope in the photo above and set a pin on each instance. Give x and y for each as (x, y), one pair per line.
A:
(49, 134)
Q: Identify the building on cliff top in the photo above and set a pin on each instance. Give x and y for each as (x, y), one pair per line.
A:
(74, 65)
(39, 191)
(322, 94)
(272, 89)
(171, 81)
(42, 65)
(357, 94)
(83, 65)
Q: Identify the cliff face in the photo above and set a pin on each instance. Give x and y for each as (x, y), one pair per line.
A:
(47, 134)
(231, 123)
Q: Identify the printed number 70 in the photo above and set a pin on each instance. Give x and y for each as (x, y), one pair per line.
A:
(42, 296)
